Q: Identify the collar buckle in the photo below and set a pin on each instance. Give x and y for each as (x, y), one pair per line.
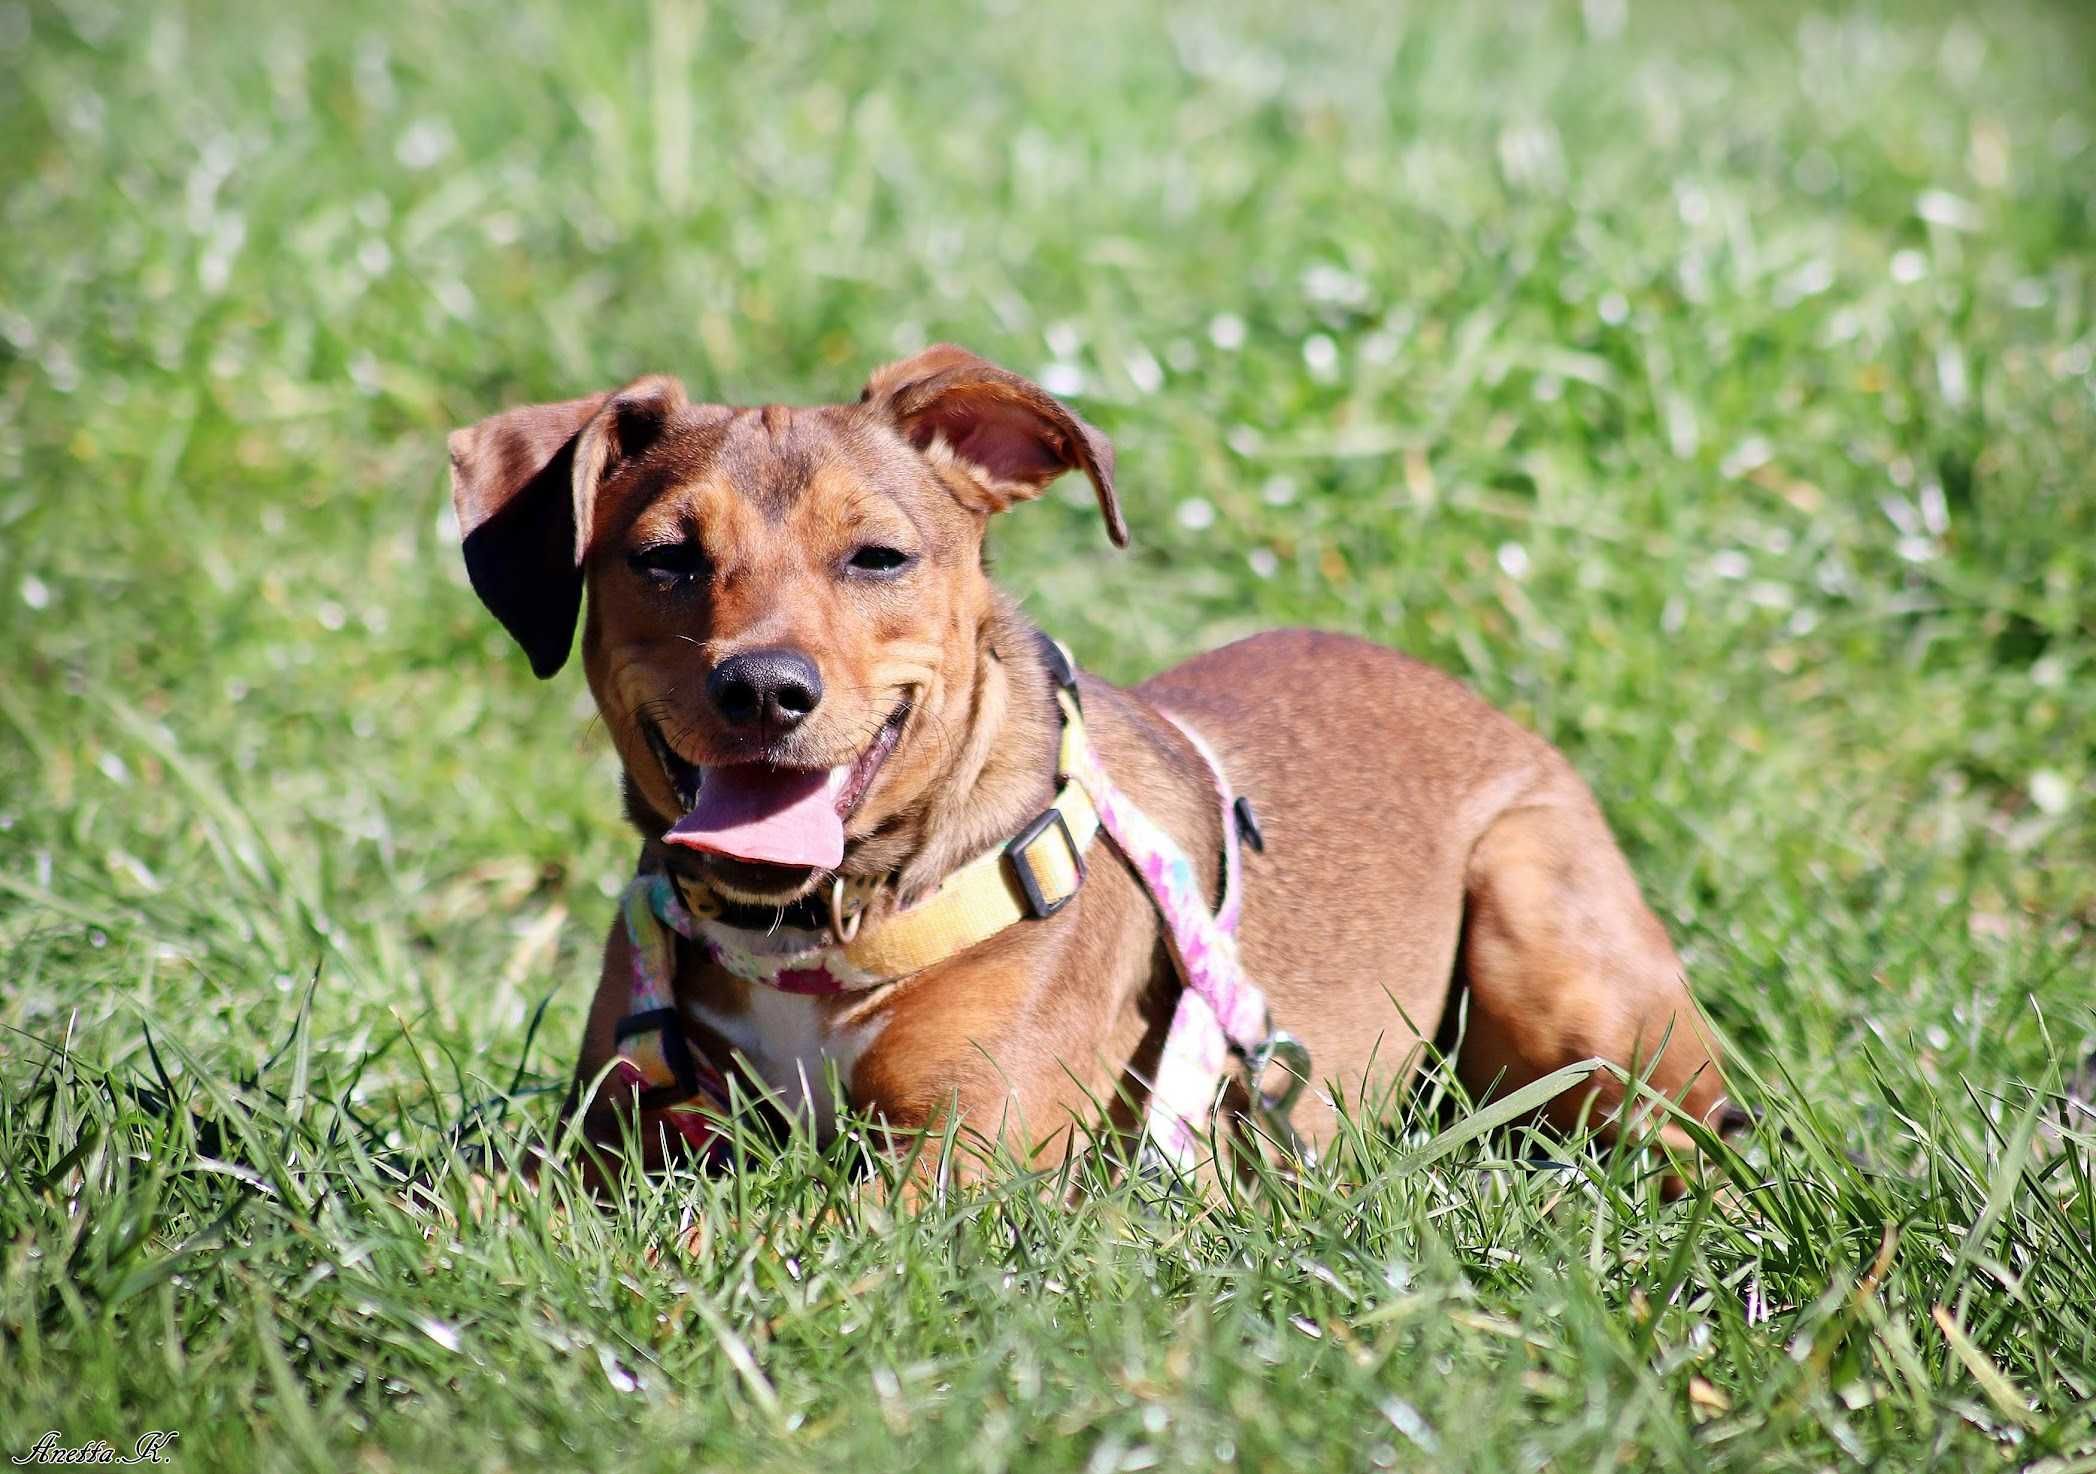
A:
(1018, 854)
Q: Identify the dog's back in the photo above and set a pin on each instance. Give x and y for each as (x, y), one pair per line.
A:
(1417, 841)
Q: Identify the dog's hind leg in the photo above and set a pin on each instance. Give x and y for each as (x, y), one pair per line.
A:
(1563, 962)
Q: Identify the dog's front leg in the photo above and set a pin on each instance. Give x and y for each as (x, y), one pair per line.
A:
(1024, 1057)
(603, 1103)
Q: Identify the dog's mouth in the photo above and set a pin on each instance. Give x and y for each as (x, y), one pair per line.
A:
(766, 815)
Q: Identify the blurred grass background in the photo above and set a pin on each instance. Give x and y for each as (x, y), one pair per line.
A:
(1710, 386)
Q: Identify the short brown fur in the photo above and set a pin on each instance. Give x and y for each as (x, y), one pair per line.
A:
(1417, 842)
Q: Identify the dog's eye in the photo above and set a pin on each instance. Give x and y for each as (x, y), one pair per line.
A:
(875, 558)
(668, 563)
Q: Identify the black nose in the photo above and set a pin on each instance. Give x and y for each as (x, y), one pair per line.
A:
(775, 688)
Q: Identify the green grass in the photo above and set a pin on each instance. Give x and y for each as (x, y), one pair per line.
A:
(1710, 386)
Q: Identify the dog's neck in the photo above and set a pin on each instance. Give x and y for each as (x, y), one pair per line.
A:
(1003, 769)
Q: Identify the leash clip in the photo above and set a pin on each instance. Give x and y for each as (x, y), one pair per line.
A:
(1274, 1109)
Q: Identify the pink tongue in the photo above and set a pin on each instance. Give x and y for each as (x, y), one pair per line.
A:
(775, 816)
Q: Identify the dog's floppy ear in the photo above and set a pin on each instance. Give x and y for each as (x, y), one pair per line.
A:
(1008, 435)
(524, 483)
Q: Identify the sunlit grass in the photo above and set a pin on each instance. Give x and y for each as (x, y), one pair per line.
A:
(1709, 386)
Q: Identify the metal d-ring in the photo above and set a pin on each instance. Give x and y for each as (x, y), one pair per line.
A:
(1293, 1056)
(843, 928)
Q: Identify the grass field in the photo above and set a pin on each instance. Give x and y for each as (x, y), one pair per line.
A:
(1711, 386)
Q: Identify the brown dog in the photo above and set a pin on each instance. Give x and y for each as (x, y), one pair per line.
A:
(792, 602)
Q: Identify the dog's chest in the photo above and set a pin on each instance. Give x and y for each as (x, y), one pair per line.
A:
(795, 1043)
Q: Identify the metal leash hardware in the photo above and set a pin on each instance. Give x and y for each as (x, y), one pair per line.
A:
(1274, 1109)
(849, 900)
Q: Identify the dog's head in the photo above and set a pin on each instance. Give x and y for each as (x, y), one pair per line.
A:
(784, 604)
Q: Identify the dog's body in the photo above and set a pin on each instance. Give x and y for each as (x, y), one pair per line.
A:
(1415, 841)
